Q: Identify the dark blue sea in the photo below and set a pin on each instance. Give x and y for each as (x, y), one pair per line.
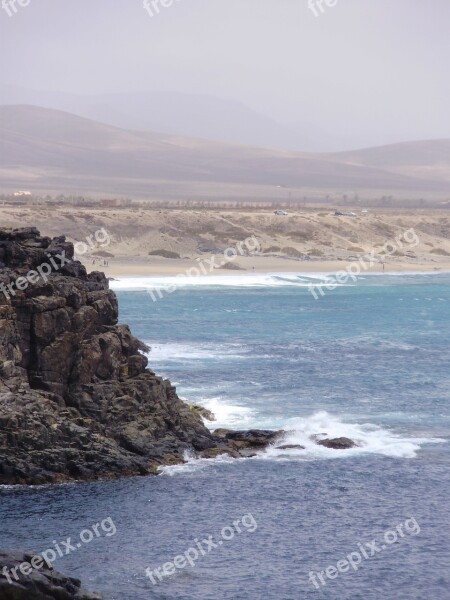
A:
(369, 361)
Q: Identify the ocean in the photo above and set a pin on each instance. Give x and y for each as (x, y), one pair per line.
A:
(369, 361)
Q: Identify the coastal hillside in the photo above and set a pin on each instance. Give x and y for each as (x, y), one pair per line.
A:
(49, 150)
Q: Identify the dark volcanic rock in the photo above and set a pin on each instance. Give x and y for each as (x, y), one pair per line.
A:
(39, 584)
(76, 398)
(255, 438)
(341, 443)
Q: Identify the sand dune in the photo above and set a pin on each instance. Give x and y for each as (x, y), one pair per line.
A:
(143, 239)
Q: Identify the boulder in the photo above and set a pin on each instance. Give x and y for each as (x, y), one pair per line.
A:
(341, 443)
(254, 438)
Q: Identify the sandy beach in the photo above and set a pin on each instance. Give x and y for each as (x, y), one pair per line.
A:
(262, 265)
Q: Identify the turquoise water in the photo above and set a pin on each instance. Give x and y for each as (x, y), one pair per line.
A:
(369, 361)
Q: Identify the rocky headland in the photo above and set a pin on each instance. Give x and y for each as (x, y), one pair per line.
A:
(77, 400)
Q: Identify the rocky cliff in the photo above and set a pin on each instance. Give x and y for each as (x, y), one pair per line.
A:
(76, 398)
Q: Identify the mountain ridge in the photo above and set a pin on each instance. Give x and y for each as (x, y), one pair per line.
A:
(48, 149)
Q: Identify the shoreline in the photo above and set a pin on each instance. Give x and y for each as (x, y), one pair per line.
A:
(120, 268)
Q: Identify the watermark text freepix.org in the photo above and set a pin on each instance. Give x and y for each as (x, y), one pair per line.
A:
(201, 548)
(249, 246)
(55, 262)
(59, 550)
(153, 7)
(317, 6)
(11, 6)
(366, 551)
(367, 261)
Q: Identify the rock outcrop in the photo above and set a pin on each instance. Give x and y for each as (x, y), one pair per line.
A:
(76, 398)
(252, 439)
(37, 584)
(341, 443)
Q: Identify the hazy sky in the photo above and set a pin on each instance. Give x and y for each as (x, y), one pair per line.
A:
(376, 67)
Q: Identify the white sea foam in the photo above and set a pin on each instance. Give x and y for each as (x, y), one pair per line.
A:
(191, 352)
(294, 278)
(177, 352)
(193, 464)
(248, 280)
(228, 415)
(370, 439)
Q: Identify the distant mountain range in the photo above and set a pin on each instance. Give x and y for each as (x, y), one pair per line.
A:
(50, 150)
(175, 113)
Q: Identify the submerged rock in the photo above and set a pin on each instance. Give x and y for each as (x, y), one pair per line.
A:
(40, 583)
